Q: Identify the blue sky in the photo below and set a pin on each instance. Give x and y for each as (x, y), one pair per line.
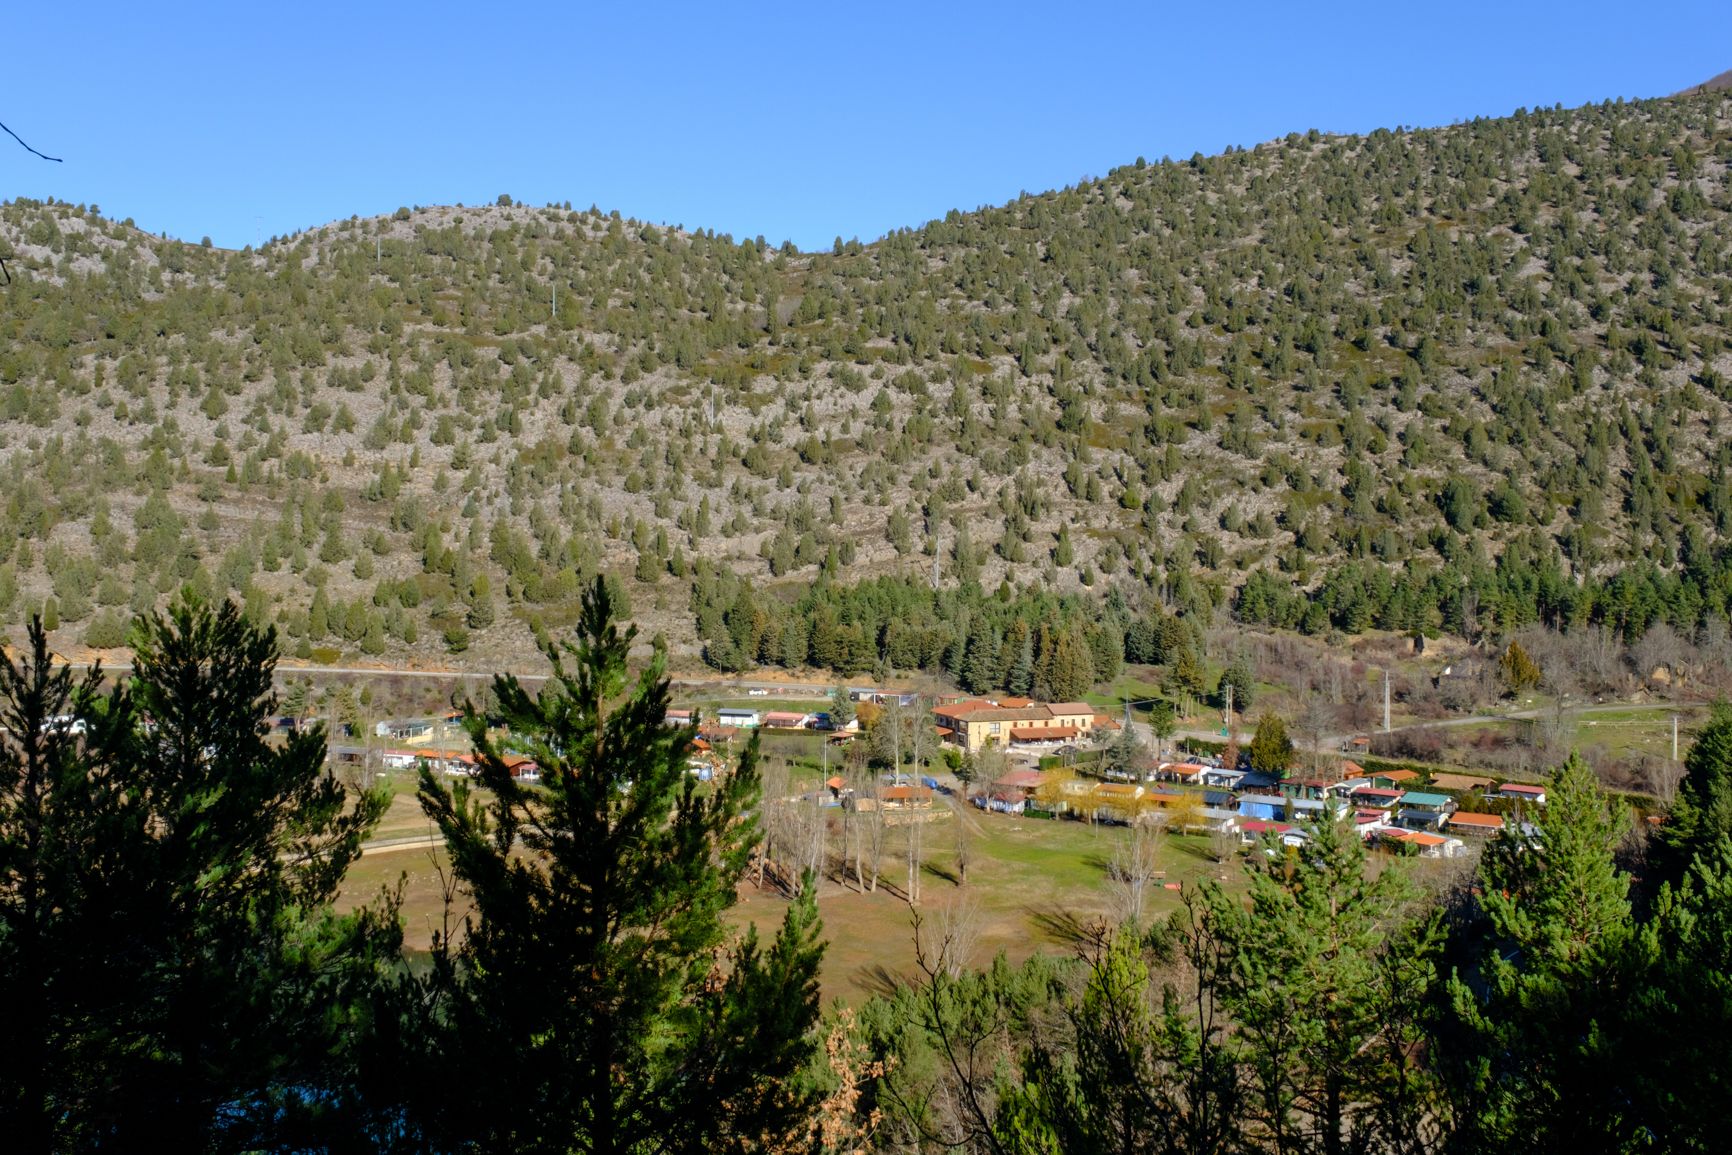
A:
(793, 121)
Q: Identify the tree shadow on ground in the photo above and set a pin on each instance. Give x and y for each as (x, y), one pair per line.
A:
(937, 871)
(1065, 927)
(880, 981)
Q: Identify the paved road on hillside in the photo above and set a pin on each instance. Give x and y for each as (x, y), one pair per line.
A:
(774, 689)
(784, 689)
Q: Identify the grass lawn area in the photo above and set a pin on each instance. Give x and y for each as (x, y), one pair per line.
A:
(1027, 878)
(1134, 685)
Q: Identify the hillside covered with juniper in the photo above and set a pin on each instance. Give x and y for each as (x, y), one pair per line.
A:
(1437, 380)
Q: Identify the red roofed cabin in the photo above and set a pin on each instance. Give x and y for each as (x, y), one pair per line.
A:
(1523, 792)
(522, 769)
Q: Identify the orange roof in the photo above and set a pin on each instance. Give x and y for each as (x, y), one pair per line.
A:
(1399, 775)
(1038, 733)
(1352, 769)
(1184, 769)
(961, 709)
(1417, 837)
(836, 783)
(1015, 703)
(1072, 708)
(911, 793)
(1476, 821)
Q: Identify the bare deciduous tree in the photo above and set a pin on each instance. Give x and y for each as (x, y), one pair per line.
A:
(1133, 870)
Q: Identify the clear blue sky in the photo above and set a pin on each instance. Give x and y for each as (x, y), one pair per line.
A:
(794, 121)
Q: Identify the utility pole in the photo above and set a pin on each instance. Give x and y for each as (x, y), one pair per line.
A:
(1228, 720)
(378, 249)
(1386, 701)
(1674, 737)
(553, 298)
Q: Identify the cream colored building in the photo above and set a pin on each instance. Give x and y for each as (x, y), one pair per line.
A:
(973, 725)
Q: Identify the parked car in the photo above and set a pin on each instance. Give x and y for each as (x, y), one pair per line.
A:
(760, 693)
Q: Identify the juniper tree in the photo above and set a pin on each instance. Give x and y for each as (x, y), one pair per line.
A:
(1271, 749)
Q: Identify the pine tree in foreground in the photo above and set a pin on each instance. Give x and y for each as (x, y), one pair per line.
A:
(180, 870)
(596, 1000)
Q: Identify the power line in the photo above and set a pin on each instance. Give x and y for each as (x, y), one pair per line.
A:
(28, 149)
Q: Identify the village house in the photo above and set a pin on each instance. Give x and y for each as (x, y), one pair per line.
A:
(1278, 807)
(1369, 821)
(1188, 772)
(1219, 820)
(906, 797)
(678, 718)
(1262, 807)
(1019, 784)
(1254, 830)
(1426, 845)
(1311, 788)
(1382, 797)
(1424, 811)
(1469, 823)
(520, 768)
(408, 731)
(785, 720)
(740, 719)
(1116, 801)
(974, 724)
(1523, 793)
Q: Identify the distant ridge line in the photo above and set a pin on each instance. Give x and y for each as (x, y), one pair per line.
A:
(1714, 84)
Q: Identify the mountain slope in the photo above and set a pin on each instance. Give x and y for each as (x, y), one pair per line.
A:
(414, 436)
